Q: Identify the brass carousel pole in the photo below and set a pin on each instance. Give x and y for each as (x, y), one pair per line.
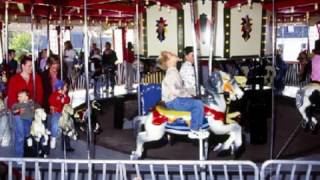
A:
(61, 52)
(6, 44)
(138, 54)
(32, 51)
(203, 146)
(86, 68)
(195, 47)
(273, 125)
(212, 36)
(48, 35)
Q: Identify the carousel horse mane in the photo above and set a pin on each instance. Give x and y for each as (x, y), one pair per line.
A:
(212, 85)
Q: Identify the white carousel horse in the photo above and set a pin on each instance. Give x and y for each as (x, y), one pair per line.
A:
(5, 137)
(162, 120)
(39, 133)
(38, 130)
(307, 99)
(66, 122)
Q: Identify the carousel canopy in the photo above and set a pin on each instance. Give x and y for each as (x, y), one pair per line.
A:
(106, 10)
(124, 10)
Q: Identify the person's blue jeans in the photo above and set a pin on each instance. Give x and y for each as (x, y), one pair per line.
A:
(188, 104)
(55, 124)
(22, 130)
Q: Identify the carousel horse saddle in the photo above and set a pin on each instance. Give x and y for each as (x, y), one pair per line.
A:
(176, 120)
(172, 115)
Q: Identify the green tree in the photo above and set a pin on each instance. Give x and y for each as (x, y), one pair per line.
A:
(21, 42)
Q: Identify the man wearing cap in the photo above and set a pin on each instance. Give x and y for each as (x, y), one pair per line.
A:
(187, 71)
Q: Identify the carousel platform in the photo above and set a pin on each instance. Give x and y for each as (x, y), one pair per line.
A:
(117, 139)
(114, 118)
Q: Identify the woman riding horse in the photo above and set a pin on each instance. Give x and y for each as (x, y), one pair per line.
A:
(177, 97)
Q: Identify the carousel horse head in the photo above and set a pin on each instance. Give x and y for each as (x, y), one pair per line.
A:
(67, 110)
(220, 82)
(38, 130)
(66, 122)
(40, 115)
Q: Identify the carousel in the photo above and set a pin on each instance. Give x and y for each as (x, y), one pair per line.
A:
(252, 72)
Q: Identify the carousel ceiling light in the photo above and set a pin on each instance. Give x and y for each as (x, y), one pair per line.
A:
(291, 18)
(81, 21)
(250, 3)
(21, 7)
(100, 11)
(50, 17)
(78, 10)
(69, 17)
(107, 20)
(292, 9)
(307, 15)
(54, 9)
(15, 17)
(239, 7)
(147, 2)
(119, 23)
(159, 5)
(316, 6)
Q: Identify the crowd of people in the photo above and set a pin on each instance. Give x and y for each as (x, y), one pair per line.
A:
(24, 91)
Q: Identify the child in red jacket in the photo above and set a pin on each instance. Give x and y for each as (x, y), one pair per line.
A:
(56, 101)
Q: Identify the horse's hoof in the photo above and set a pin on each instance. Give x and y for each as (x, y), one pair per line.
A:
(239, 151)
(304, 124)
(224, 153)
(134, 156)
(313, 126)
(218, 147)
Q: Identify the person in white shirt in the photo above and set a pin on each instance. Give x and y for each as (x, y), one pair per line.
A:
(176, 97)
(187, 71)
(69, 57)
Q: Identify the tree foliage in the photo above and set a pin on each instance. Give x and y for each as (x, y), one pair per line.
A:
(21, 42)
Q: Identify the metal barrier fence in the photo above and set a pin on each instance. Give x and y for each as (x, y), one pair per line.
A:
(122, 170)
(290, 169)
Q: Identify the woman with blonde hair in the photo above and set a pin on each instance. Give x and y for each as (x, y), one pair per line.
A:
(177, 97)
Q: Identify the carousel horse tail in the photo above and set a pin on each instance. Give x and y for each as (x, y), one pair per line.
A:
(300, 97)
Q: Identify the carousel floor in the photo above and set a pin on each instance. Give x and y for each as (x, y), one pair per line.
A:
(305, 144)
(115, 143)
